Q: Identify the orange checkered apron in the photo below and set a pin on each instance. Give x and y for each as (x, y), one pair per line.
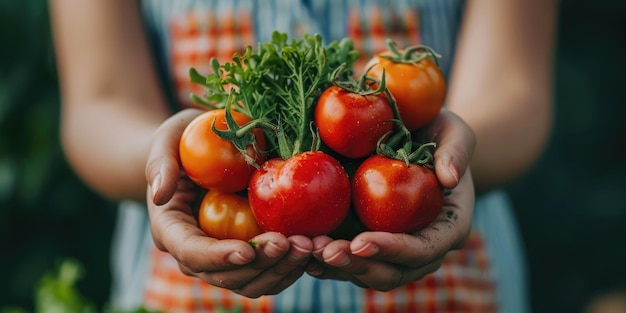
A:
(462, 284)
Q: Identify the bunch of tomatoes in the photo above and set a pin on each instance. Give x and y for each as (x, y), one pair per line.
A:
(350, 165)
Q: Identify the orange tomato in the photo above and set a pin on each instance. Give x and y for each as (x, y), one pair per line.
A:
(213, 162)
(227, 216)
(419, 87)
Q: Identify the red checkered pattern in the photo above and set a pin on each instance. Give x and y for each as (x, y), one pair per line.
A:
(462, 284)
(169, 290)
(198, 37)
(370, 32)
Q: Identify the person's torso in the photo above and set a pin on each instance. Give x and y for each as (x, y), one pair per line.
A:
(188, 33)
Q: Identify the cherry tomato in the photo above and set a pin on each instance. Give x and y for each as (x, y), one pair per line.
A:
(227, 216)
(390, 196)
(419, 88)
(350, 123)
(215, 163)
(307, 194)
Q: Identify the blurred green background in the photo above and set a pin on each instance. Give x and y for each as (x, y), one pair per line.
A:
(571, 206)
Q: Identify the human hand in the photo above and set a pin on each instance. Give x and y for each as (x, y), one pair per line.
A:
(384, 261)
(268, 266)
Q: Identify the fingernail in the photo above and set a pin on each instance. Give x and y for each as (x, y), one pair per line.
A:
(339, 259)
(238, 259)
(365, 249)
(273, 250)
(318, 254)
(297, 254)
(454, 172)
(155, 184)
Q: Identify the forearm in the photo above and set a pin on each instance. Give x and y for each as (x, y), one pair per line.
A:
(111, 97)
(501, 85)
(108, 150)
(511, 137)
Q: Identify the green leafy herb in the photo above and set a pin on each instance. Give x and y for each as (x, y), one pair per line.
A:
(279, 83)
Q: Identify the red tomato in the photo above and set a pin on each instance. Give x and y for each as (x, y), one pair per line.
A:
(215, 163)
(227, 216)
(390, 196)
(418, 88)
(307, 194)
(350, 123)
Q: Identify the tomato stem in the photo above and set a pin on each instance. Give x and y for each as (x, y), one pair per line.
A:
(242, 136)
(412, 54)
(422, 155)
(364, 86)
(399, 145)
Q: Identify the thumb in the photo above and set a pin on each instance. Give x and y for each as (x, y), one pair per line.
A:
(455, 145)
(162, 168)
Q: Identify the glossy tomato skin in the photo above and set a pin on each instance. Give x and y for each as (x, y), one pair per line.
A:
(390, 196)
(215, 163)
(307, 194)
(227, 216)
(351, 124)
(418, 88)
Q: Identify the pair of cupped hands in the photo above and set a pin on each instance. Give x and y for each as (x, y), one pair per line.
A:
(377, 260)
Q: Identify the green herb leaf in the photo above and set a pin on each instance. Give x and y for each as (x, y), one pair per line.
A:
(279, 83)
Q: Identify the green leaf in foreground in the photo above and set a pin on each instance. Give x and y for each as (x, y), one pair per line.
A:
(56, 292)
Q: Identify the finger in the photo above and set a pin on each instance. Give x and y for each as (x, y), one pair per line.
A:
(335, 262)
(329, 256)
(319, 243)
(268, 251)
(270, 248)
(372, 273)
(299, 253)
(458, 208)
(283, 273)
(186, 193)
(337, 254)
(174, 229)
(162, 167)
(317, 267)
(287, 281)
(314, 268)
(183, 269)
(376, 274)
(407, 250)
(321, 270)
(199, 253)
(455, 145)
